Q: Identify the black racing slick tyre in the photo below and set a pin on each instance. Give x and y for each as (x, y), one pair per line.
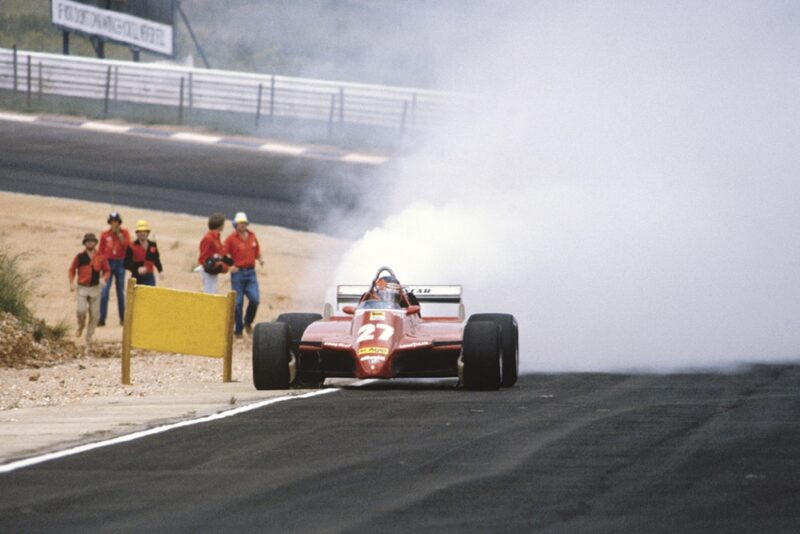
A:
(481, 355)
(298, 322)
(271, 355)
(509, 332)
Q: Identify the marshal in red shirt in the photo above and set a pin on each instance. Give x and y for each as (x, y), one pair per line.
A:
(113, 246)
(244, 251)
(89, 269)
(211, 245)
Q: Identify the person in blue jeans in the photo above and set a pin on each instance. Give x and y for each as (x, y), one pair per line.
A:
(244, 282)
(114, 243)
(244, 249)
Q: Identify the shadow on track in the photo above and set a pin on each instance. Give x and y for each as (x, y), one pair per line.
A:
(406, 384)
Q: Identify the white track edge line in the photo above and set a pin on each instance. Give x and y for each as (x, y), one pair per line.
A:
(16, 117)
(195, 138)
(283, 149)
(103, 127)
(278, 148)
(355, 157)
(27, 462)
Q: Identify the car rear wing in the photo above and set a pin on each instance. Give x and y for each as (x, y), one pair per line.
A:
(441, 300)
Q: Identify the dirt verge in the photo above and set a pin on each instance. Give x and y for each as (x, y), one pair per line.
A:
(48, 232)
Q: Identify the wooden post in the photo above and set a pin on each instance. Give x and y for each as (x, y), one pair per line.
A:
(30, 83)
(15, 69)
(41, 82)
(116, 84)
(127, 324)
(330, 115)
(403, 120)
(272, 99)
(258, 103)
(227, 365)
(180, 104)
(341, 106)
(413, 120)
(190, 92)
(108, 92)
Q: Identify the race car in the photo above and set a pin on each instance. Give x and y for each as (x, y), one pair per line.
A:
(385, 331)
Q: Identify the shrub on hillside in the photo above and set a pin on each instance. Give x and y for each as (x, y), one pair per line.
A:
(15, 287)
(26, 341)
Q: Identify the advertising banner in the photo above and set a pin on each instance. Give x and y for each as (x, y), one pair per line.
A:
(113, 25)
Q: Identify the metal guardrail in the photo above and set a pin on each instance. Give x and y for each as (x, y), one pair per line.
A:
(265, 97)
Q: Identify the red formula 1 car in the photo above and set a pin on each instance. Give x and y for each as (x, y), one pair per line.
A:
(386, 332)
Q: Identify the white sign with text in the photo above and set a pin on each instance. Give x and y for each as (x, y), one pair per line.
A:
(136, 31)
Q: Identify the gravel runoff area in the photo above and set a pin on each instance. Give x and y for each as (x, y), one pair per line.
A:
(47, 232)
(97, 373)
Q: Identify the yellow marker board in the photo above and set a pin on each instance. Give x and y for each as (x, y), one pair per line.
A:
(179, 321)
(185, 322)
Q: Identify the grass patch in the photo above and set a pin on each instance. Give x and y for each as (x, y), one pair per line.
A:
(16, 290)
(15, 287)
(56, 332)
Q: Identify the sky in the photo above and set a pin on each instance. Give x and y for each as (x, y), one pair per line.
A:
(624, 181)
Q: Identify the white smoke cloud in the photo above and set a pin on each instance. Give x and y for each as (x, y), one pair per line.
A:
(627, 187)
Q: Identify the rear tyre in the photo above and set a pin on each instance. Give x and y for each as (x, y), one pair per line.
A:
(509, 332)
(481, 355)
(271, 355)
(298, 322)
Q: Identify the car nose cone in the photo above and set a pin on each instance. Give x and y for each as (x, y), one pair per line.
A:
(372, 364)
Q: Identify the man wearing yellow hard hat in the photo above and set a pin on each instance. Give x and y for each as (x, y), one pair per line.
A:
(142, 258)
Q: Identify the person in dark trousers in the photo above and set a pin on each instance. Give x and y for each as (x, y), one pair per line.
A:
(142, 258)
(88, 267)
(113, 245)
(245, 250)
(214, 258)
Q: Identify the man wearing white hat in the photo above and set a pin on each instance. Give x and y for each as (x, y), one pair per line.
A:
(244, 249)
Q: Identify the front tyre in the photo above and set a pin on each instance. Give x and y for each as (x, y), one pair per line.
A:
(298, 322)
(481, 355)
(509, 333)
(271, 356)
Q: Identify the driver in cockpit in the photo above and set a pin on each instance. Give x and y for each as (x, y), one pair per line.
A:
(386, 292)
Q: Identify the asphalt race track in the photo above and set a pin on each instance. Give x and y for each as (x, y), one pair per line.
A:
(558, 453)
(297, 193)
